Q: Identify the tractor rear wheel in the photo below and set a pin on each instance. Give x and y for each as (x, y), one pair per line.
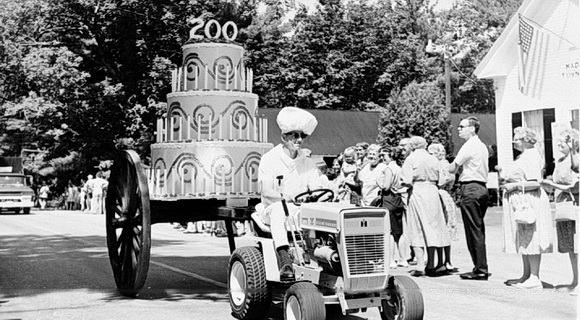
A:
(249, 294)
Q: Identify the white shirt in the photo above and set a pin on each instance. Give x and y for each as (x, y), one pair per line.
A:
(473, 156)
(372, 181)
(299, 175)
(97, 185)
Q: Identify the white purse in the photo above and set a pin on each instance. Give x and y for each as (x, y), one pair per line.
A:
(567, 210)
(523, 212)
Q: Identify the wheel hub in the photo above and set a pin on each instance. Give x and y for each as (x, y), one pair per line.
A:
(238, 284)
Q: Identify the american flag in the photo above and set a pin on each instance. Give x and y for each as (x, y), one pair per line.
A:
(533, 48)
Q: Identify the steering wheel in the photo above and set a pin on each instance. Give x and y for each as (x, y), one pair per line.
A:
(314, 196)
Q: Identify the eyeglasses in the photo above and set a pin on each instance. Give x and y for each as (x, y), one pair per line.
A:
(295, 135)
(462, 126)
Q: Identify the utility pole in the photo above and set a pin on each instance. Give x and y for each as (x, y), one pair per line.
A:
(447, 82)
(432, 48)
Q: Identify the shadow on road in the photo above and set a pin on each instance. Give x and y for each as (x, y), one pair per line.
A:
(36, 265)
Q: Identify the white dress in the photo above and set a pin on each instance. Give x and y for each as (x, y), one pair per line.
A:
(533, 238)
(425, 218)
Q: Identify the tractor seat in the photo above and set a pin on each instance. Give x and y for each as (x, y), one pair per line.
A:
(260, 228)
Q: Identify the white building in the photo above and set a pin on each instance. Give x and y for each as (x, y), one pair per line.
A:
(535, 66)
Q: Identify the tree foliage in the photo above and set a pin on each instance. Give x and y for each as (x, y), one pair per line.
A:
(344, 56)
(416, 110)
(80, 79)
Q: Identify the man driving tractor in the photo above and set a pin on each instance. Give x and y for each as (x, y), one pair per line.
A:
(286, 171)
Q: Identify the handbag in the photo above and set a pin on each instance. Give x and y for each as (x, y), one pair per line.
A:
(523, 212)
(567, 210)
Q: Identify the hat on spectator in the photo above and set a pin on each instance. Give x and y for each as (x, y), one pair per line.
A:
(295, 119)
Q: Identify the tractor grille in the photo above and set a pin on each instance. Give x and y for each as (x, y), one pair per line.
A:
(366, 254)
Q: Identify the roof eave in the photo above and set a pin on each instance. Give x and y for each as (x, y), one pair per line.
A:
(485, 69)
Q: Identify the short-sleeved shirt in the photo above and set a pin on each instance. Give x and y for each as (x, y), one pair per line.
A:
(420, 166)
(299, 174)
(531, 163)
(396, 178)
(473, 157)
(372, 181)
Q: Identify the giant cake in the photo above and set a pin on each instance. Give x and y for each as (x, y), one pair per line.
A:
(211, 140)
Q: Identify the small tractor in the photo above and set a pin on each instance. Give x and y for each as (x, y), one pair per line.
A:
(340, 258)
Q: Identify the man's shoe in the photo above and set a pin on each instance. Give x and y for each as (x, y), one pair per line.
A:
(474, 276)
(285, 264)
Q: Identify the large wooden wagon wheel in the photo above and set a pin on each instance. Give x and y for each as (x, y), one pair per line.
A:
(128, 220)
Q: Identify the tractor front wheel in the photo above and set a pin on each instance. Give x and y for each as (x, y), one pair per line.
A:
(404, 302)
(303, 301)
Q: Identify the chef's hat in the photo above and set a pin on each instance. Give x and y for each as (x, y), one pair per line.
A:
(295, 119)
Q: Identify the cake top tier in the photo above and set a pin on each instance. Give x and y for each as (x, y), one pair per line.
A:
(212, 65)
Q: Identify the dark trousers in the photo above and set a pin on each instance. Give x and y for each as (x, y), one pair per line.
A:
(474, 197)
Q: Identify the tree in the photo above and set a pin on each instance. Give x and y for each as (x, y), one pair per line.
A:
(416, 110)
(90, 76)
(467, 31)
(344, 56)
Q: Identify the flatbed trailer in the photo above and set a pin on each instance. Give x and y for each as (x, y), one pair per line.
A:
(130, 212)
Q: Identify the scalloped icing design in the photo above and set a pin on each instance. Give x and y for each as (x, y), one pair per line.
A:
(205, 169)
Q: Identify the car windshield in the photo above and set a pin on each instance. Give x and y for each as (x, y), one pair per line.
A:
(12, 180)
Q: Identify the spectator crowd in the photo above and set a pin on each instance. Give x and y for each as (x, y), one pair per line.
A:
(425, 193)
(88, 196)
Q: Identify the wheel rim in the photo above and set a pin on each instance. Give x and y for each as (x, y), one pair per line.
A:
(128, 223)
(238, 284)
(392, 306)
(293, 309)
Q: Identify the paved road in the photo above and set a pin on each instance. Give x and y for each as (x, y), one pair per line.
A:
(54, 265)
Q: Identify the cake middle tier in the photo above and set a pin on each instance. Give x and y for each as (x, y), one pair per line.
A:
(205, 169)
(210, 115)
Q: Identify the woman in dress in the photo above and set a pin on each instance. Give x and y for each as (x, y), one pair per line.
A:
(445, 184)
(522, 188)
(425, 218)
(564, 181)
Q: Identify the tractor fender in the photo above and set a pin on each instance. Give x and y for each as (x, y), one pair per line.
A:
(270, 257)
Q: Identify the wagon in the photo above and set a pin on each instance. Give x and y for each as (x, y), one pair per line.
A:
(130, 212)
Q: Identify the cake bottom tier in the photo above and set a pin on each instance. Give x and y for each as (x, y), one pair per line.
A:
(205, 169)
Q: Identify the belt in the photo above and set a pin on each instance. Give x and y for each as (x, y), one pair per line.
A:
(477, 182)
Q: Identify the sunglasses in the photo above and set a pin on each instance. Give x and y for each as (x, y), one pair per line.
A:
(295, 135)
(462, 126)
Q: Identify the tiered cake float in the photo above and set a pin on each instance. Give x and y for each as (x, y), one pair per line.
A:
(204, 162)
(210, 143)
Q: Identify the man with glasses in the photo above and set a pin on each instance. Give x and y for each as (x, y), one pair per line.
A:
(286, 171)
(473, 158)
